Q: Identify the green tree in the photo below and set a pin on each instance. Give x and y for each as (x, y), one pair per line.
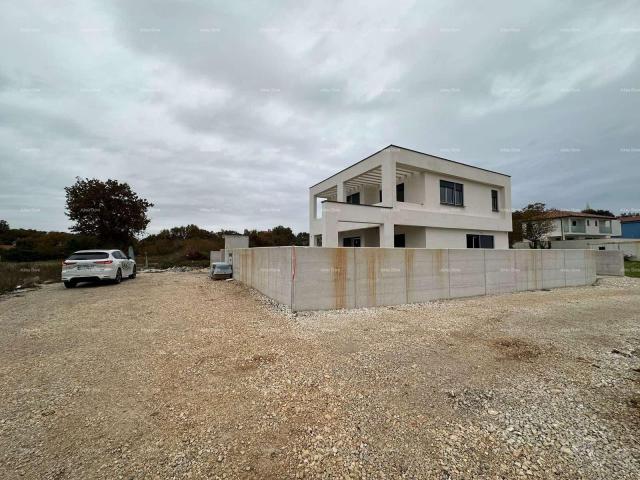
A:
(4, 226)
(109, 211)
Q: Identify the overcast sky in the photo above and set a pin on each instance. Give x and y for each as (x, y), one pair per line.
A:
(224, 113)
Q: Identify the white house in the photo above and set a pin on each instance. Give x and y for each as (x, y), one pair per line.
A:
(402, 198)
(568, 225)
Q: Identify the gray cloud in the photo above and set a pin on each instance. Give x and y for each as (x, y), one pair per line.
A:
(223, 113)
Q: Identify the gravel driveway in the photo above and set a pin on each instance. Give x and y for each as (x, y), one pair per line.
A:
(172, 375)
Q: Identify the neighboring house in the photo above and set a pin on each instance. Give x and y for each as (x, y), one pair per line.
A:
(402, 198)
(570, 225)
(630, 226)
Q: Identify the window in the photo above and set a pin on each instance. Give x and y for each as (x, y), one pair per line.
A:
(573, 223)
(117, 255)
(354, 198)
(351, 242)
(89, 256)
(601, 248)
(494, 201)
(451, 193)
(480, 241)
(399, 240)
(587, 223)
(596, 223)
(318, 240)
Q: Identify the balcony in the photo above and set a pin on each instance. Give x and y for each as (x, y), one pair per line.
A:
(604, 228)
(578, 226)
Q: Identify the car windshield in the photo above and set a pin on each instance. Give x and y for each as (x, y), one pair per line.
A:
(89, 256)
(222, 269)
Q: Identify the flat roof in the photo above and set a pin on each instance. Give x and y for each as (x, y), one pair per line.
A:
(409, 150)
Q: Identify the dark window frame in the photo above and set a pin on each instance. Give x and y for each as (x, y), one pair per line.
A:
(351, 241)
(495, 206)
(352, 197)
(476, 240)
(451, 193)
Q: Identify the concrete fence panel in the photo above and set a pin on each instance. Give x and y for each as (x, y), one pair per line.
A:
(380, 277)
(324, 278)
(553, 268)
(609, 262)
(333, 278)
(575, 267)
(427, 274)
(528, 269)
(466, 273)
(501, 271)
(590, 259)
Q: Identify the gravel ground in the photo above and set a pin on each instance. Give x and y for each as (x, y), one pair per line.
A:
(172, 375)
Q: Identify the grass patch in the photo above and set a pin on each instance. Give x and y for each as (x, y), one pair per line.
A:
(13, 274)
(632, 269)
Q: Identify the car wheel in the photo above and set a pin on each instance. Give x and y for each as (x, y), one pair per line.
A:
(70, 284)
(133, 274)
(118, 278)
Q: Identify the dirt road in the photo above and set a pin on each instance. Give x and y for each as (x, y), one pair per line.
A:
(172, 375)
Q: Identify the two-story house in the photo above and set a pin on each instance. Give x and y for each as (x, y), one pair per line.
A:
(402, 198)
(568, 225)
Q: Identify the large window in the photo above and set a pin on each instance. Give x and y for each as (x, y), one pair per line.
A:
(399, 240)
(494, 201)
(480, 241)
(351, 242)
(451, 193)
(354, 198)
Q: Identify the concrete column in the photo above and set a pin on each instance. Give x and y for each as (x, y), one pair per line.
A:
(388, 180)
(386, 235)
(312, 208)
(329, 225)
(340, 196)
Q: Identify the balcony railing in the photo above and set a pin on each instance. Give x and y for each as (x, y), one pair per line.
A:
(605, 228)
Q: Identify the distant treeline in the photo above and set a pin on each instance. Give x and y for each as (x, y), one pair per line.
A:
(189, 242)
(196, 243)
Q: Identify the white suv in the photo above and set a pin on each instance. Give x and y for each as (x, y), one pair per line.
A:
(96, 265)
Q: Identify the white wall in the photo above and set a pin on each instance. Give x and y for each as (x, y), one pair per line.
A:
(454, 238)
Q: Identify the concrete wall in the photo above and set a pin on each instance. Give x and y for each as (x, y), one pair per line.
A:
(629, 247)
(332, 278)
(215, 256)
(609, 262)
(268, 270)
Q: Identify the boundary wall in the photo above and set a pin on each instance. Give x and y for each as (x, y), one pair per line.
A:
(307, 278)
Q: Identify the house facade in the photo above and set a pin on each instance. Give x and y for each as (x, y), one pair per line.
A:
(630, 226)
(568, 225)
(403, 198)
